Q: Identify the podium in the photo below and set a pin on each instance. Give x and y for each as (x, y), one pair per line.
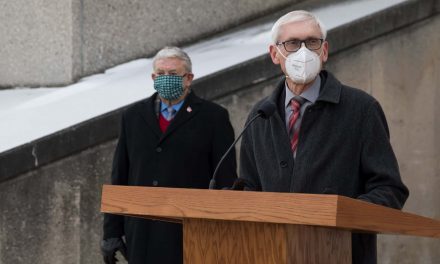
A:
(222, 226)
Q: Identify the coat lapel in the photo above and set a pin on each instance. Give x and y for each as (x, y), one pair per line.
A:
(189, 109)
(146, 110)
(280, 136)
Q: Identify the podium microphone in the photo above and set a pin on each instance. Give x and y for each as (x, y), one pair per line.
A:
(264, 111)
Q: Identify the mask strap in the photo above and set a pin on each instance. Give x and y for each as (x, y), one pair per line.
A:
(280, 52)
(321, 52)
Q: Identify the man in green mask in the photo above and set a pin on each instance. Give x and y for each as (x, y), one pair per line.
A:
(171, 139)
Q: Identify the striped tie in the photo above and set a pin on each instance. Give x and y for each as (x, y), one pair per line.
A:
(295, 104)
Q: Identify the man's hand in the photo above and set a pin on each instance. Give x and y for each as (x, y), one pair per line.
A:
(110, 246)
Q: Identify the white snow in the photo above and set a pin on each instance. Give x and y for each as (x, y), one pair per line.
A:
(28, 114)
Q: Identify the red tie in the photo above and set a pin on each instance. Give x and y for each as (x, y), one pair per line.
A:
(295, 104)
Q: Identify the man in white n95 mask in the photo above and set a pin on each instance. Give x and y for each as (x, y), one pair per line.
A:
(325, 137)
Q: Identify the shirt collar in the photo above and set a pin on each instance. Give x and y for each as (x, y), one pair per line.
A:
(164, 106)
(311, 94)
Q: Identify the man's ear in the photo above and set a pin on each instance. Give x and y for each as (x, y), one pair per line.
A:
(153, 76)
(273, 51)
(324, 51)
(188, 80)
(190, 76)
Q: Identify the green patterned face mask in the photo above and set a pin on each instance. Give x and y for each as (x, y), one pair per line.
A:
(169, 87)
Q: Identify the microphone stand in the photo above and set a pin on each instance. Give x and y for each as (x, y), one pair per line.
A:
(212, 181)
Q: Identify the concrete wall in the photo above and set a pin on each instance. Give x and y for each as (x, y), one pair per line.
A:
(51, 214)
(51, 43)
(402, 71)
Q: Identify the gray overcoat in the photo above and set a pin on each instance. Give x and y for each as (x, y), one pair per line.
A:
(343, 149)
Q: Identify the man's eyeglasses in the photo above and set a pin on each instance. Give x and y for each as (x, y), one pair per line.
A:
(294, 45)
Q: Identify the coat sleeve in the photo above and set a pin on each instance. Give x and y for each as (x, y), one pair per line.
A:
(248, 166)
(114, 224)
(379, 167)
(221, 141)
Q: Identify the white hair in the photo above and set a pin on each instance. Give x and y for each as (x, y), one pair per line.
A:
(173, 52)
(296, 16)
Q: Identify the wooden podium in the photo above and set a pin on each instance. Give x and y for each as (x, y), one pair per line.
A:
(222, 226)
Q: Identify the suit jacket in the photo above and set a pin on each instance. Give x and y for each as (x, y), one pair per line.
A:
(184, 156)
(343, 149)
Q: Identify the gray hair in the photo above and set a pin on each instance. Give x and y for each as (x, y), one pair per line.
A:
(173, 52)
(296, 16)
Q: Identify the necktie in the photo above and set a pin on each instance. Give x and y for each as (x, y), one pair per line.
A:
(171, 113)
(295, 104)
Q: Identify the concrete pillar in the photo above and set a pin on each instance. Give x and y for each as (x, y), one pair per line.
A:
(40, 42)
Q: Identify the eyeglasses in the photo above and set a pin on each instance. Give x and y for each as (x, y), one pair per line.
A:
(294, 45)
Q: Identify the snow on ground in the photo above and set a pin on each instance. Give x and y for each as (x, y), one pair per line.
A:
(28, 114)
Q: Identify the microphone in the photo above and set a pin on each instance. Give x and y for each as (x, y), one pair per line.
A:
(264, 111)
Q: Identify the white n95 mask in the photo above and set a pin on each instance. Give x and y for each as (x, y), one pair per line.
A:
(303, 65)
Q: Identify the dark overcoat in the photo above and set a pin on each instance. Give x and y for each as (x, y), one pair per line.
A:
(343, 149)
(184, 156)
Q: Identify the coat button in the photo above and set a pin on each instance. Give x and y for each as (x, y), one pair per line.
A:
(158, 149)
(155, 183)
(283, 164)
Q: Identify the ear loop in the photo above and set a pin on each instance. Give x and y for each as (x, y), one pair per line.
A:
(280, 52)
